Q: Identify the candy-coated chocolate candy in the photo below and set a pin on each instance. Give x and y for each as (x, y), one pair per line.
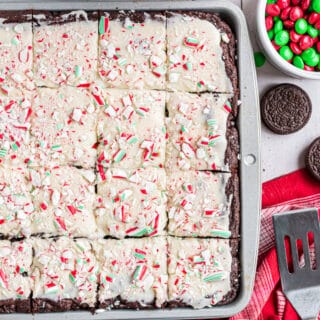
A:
(298, 62)
(286, 53)
(308, 54)
(313, 17)
(305, 42)
(307, 68)
(269, 23)
(259, 59)
(305, 4)
(318, 46)
(279, 26)
(296, 2)
(270, 34)
(294, 37)
(316, 5)
(312, 32)
(301, 26)
(295, 48)
(295, 13)
(273, 10)
(271, 1)
(317, 25)
(283, 3)
(275, 45)
(288, 24)
(284, 15)
(282, 38)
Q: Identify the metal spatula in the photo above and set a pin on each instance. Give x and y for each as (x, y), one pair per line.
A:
(301, 285)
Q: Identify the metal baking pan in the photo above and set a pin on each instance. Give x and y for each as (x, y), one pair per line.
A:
(249, 128)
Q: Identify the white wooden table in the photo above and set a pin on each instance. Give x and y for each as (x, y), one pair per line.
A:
(282, 154)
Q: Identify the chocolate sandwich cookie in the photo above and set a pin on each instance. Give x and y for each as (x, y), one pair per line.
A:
(286, 108)
(313, 158)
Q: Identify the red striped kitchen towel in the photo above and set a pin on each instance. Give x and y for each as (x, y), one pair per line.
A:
(293, 191)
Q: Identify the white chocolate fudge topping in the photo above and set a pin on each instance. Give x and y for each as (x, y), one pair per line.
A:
(195, 56)
(131, 129)
(134, 270)
(132, 55)
(63, 201)
(16, 204)
(199, 271)
(64, 269)
(132, 202)
(15, 263)
(197, 128)
(63, 127)
(198, 204)
(15, 56)
(65, 53)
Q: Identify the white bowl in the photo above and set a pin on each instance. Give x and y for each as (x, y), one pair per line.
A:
(272, 54)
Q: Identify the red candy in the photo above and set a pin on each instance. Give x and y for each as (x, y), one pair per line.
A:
(295, 48)
(313, 17)
(285, 13)
(305, 42)
(318, 47)
(294, 37)
(283, 3)
(269, 23)
(275, 45)
(296, 13)
(305, 4)
(296, 2)
(307, 68)
(288, 24)
(273, 10)
(317, 25)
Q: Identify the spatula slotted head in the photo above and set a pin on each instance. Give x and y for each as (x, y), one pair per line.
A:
(300, 276)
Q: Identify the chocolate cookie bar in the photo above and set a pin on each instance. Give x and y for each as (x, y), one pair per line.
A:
(132, 49)
(201, 131)
(131, 129)
(63, 199)
(201, 53)
(132, 203)
(63, 127)
(15, 276)
(65, 275)
(133, 273)
(203, 204)
(16, 55)
(65, 47)
(202, 272)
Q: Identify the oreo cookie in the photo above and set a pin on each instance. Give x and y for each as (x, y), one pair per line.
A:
(286, 108)
(313, 158)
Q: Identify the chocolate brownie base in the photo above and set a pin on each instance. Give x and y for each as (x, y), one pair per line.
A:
(19, 16)
(119, 303)
(228, 49)
(234, 280)
(61, 17)
(12, 306)
(41, 305)
(233, 190)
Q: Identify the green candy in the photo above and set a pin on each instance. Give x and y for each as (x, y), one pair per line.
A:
(271, 34)
(282, 38)
(301, 26)
(316, 5)
(313, 61)
(278, 26)
(312, 32)
(286, 53)
(276, 19)
(271, 1)
(308, 54)
(259, 59)
(298, 62)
